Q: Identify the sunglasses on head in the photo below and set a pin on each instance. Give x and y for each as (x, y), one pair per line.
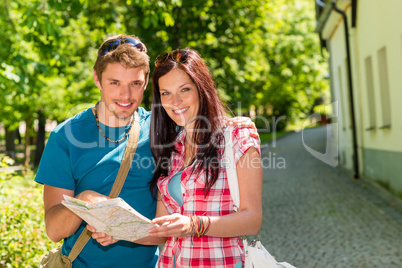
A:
(112, 44)
(178, 55)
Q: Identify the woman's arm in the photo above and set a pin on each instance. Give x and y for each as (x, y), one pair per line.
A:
(247, 221)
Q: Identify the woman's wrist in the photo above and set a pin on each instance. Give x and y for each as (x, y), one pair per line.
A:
(199, 225)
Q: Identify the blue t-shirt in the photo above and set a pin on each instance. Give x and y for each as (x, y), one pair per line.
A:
(77, 157)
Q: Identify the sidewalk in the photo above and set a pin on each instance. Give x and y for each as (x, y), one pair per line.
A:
(11, 168)
(316, 216)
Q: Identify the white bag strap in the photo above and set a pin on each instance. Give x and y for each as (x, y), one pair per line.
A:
(231, 168)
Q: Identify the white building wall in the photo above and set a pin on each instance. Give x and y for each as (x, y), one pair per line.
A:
(376, 59)
(379, 25)
(339, 77)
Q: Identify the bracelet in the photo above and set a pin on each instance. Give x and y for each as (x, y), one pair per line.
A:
(192, 226)
(199, 225)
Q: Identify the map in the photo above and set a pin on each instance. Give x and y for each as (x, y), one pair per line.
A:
(113, 216)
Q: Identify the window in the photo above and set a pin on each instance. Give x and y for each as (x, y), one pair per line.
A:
(370, 94)
(384, 88)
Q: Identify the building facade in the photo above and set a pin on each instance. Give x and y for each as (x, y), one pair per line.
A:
(364, 40)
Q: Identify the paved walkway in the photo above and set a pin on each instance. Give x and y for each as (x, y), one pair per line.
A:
(316, 216)
(12, 168)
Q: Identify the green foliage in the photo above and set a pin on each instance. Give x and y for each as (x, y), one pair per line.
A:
(297, 73)
(6, 161)
(23, 240)
(44, 61)
(261, 53)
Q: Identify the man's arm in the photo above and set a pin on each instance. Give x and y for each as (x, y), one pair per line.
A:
(60, 221)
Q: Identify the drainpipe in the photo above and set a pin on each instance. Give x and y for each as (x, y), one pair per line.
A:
(320, 3)
(352, 106)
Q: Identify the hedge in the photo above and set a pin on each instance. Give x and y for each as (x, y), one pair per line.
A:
(23, 239)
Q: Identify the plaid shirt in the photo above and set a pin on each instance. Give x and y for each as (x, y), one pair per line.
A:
(206, 251)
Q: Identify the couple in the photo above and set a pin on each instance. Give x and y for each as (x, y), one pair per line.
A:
(185, 190)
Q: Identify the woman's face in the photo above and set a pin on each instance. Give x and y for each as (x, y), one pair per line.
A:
(179, 97)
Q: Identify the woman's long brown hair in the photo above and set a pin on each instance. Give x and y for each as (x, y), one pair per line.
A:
(211, 116)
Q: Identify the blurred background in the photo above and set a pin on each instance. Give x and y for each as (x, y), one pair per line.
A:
(265, 57)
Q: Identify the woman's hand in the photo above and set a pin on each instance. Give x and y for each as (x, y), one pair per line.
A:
(175, 225)
(101, 238)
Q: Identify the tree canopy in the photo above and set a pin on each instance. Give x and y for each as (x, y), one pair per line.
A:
(262, 54)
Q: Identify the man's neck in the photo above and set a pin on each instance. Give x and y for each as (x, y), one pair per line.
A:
(109, 119)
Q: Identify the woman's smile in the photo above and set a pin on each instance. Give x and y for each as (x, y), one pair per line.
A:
(181, 111)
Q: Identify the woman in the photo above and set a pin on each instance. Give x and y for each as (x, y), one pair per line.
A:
(187, 142)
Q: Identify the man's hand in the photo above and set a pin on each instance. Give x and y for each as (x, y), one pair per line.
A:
(91, 196)
(244, 122)
(101, 238)
(60, 221)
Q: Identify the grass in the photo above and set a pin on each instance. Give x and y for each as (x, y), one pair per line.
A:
(269, 136)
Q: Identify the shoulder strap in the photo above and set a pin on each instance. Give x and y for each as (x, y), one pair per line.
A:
(117, 185)
(127, 158)
(231, 168)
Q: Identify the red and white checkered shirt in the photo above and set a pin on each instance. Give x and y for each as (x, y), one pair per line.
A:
(205, 251)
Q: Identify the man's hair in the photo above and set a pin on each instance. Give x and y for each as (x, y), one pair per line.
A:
(125, 54)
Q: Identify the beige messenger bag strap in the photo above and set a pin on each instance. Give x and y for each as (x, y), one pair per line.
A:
(118, 183)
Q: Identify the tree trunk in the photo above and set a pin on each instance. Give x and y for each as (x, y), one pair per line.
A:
(27, 151)
(40, 138)
(17, 132)
(10, 142)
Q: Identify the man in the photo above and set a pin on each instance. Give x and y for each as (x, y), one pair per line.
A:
(83, 155)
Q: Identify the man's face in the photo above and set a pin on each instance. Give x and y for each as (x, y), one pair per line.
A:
(122, 90)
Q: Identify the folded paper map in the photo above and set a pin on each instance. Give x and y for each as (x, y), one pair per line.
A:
(113, 216)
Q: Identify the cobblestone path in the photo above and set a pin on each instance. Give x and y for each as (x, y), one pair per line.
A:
(315, 215)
